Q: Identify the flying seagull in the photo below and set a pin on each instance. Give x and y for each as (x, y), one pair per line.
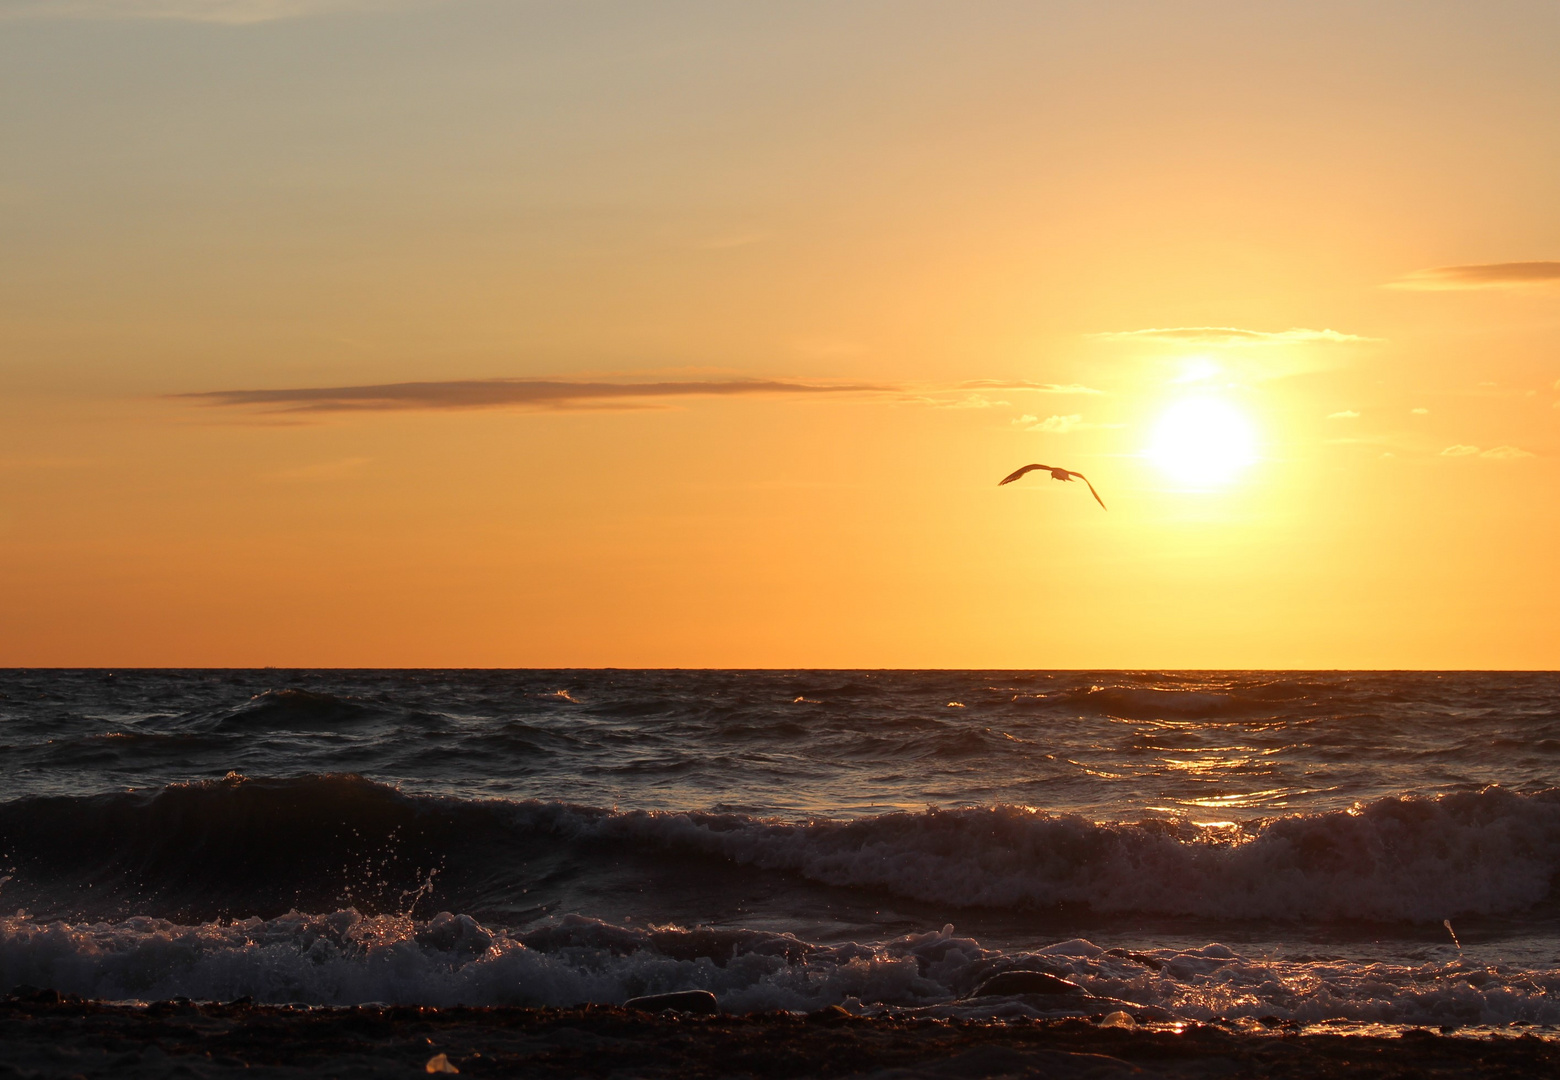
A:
(1056, 474)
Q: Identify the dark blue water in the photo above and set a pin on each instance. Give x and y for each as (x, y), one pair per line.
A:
(1248, 844)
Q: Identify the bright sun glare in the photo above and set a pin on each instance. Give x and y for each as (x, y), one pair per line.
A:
(1202, 441)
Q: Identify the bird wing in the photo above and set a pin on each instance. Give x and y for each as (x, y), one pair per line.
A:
(1019, 472)
(1096, 494)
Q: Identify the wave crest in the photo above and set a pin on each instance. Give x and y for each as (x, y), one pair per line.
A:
(239, 847)
(344, 958)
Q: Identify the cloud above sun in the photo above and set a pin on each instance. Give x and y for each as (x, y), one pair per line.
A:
(1509, 275)
(1237, 355)
(1234, 336)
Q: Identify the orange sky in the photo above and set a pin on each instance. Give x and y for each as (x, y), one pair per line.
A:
(816, 276)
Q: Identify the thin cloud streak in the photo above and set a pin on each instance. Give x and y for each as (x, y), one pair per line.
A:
(971, 394)
(1510, 275)
(1059, 425)
(1234, 336)
(1020, 384)
(558, 394)
(462, 394)
(1494, 453)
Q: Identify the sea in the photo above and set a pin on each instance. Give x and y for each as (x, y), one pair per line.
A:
(1264, 849)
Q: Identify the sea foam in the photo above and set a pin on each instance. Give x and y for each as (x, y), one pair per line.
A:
(343, 958)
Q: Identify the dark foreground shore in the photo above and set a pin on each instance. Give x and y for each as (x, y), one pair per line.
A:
(40, 1037)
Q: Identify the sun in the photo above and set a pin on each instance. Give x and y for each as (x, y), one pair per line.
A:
(1203, 441)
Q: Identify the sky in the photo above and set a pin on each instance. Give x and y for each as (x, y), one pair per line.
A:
(696, 334)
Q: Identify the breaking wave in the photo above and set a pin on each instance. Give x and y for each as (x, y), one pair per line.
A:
(239, 847)
(345, 958)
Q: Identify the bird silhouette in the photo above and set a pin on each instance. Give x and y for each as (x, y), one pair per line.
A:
(1056, 474)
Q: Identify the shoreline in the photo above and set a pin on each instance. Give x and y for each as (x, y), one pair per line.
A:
(43, 1035)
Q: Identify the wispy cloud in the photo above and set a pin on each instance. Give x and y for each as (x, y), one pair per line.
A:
(1058, 425)
(1234, 336)
(1020, 384)
(1346, 414)
(1509, 275)
(1494, 453)
(230, 12)
(552, 394)
(1420, 411)
(976, 393)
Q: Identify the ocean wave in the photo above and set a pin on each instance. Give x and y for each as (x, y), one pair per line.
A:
(1148, 703)
(241, 847)
(1488, 852)
(345, 958)
(231, 847)
(288, 710)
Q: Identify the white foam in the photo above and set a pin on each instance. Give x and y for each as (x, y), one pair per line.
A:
(342, 958)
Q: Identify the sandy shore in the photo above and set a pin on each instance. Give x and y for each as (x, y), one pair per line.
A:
(40, 1037)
